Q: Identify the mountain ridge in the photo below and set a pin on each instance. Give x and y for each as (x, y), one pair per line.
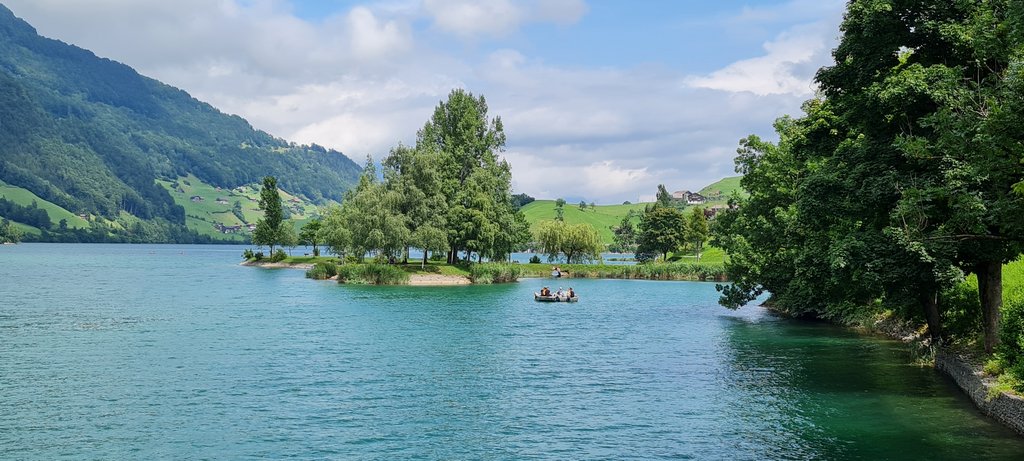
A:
(94, 136)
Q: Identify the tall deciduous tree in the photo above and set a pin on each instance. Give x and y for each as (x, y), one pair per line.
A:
(662, 230)
(310, 235)
(697, 230)
(575, 241)
(475, 182)
(268, 228)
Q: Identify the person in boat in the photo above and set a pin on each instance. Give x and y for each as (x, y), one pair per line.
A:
(559, 294)
(572, 294)
(545, 291)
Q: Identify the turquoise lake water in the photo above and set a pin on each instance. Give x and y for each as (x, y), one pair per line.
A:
(176, 352)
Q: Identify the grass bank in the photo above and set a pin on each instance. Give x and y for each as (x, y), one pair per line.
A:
(655, 271)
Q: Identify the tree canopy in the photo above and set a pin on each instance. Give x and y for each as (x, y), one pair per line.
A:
(899, 178)
(450, 192)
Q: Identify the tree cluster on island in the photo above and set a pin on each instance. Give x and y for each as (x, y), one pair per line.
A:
(902, 178)
(450, 193)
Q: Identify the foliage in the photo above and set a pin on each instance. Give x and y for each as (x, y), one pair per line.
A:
(248, 254)
(310, 235)
(697, 230)
(9, 233)
(662, 230)
(30, 215)
(449, 192)
(601, 217)
(897, 180)
(487, 273)
(372, 274)
(322, 271)
(278, 256)
(268, 229)
(575, 241)
(670, 271)
(92, 136)
(624, 240)
(521, 200)
(663, 198)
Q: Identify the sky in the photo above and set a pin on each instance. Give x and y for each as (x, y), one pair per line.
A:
(601, 100)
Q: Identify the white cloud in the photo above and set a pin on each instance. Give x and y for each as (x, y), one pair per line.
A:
(497, 18)
(787, 67)
(371, 38)
(368, 77)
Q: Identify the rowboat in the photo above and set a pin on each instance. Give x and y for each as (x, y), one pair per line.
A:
(555, 299)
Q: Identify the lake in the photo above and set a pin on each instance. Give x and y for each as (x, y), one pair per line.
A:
(177, 352)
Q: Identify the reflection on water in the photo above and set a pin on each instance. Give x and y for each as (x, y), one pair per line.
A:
(138, 352)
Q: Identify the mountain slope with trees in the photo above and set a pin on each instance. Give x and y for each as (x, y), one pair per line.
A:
(93, 136)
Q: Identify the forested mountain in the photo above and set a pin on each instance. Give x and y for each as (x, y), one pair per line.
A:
(93, 136)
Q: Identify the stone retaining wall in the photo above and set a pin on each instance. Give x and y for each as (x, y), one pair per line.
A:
(1007, 409)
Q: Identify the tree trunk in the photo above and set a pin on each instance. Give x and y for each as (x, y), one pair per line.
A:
(990, 292)
(424, 264)
(451, 256)
(405, 259)
(930, 304)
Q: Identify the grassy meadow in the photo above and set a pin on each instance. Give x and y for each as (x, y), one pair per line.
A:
(24, 197)
(217, 204)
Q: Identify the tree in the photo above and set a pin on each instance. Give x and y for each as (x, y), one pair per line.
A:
(661, 230)
(288, 236)
(333, 231)
(583, 205)
(663, 198)
(521, 200)
(371, 218)
(697, 230)
(9, 233)
(575, 241)
(310, 235)
(560, 210)
(475, 182)
(268, 228)
(624, 235)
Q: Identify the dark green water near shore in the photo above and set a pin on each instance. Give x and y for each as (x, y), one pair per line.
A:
(176, 352)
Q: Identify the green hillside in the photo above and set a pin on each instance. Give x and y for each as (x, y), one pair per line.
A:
(92, 136)
(601, 217)
(25, 198)
(210, 209)
(722, 189)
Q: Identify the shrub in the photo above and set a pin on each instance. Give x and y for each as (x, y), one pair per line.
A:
(248, 254)
(1011, 347)
(322, 271)
(278, 256)
(961, 314)
(257, 255)
(494, 273)
(372, 274)
(534, 259)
